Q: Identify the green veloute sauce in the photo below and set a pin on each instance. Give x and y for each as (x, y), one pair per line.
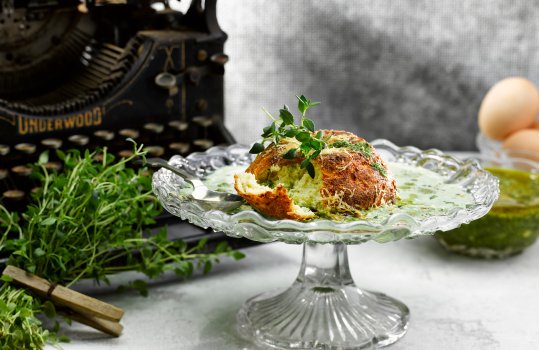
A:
(509, 227)
(422, 193)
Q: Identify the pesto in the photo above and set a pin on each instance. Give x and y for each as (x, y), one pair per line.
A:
(362, 147)
(379, 168)
(517, 187)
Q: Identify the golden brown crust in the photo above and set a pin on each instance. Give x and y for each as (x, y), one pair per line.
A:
(351, 178)
(274, 203)
(347, 177)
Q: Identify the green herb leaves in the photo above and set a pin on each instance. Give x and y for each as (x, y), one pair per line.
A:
(286, 116)
(304, 104)
(311, 145)
(19, 326)
(90, 220)
(308, 124)
(257, 148)
(291, 154)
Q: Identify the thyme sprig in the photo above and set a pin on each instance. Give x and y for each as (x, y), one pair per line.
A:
(284, 126)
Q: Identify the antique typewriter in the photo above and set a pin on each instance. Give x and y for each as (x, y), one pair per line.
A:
(77, 74)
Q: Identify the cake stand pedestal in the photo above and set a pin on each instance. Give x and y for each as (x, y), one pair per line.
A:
(323, 309)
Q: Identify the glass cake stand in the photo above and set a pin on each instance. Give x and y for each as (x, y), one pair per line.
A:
(324, 309)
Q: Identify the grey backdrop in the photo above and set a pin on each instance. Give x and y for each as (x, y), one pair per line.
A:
(412, 71)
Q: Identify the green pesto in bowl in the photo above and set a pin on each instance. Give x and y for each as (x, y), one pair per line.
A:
(509, 227)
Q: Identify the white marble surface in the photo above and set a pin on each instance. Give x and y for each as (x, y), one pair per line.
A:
(455, 302)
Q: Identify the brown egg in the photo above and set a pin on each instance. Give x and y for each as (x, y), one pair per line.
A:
(510, 105)
(535, 124)
(525, 141)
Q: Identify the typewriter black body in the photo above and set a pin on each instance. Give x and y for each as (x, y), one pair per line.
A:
(92, 74)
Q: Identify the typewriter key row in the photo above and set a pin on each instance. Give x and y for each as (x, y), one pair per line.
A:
(104, 137)
(159, 140)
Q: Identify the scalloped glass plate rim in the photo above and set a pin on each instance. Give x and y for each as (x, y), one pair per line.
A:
(396, 225)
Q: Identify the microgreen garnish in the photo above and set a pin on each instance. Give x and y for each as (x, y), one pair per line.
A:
(284, 126)
(379, 168)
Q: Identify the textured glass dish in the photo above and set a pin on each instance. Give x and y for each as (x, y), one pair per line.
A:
(324, 309)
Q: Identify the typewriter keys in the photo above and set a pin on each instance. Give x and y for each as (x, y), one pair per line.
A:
(15, 195)
(154, 127)
(52, 143)
(54, 166)
(155, 151)
(104, 135)
(26, 148)
(79, 140)
(178, 125)
(179, 147)
(203, 121)
(203, 143)
(21, 170)
(130, 133)
(4, 149)
(126, 153)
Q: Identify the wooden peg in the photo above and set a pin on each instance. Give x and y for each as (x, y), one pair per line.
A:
(80, 307)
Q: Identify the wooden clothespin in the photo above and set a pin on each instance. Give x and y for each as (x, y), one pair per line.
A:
(77, 306)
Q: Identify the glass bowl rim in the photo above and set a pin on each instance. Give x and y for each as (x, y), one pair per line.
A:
(491, 150)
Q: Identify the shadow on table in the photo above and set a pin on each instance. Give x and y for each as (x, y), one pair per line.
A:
(220, 333)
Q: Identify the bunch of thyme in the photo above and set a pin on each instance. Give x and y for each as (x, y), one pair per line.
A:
(87, 222)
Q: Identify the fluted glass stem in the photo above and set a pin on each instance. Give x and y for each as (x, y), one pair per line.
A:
(325, 265)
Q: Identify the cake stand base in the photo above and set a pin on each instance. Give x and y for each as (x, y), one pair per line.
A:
(323, 309)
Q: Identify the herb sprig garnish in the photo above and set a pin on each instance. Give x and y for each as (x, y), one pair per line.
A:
(311, 144)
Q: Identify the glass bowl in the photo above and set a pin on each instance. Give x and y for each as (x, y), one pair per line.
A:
(512, 224)
(324, 309)
(493, 149)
